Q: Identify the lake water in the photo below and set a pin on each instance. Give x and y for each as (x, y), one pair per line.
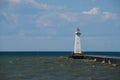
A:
(54, 67)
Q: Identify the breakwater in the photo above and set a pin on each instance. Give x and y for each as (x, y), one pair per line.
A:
(115, 61)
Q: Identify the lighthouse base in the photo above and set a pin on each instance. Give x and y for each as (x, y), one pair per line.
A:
(77, 56)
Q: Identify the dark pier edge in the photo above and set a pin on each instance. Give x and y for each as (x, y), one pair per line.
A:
(77, 56)
(101, 59)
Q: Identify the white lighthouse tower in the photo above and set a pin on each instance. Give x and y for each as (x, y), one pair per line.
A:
(77, 46)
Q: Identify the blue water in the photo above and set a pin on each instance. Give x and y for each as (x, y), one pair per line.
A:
(57, 53)
(53, 66)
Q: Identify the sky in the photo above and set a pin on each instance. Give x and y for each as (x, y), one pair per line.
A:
(49, 25)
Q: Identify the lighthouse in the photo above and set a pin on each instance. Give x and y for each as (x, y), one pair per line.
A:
(77, 53)
(77, 46)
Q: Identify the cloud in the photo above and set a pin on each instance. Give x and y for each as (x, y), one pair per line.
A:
(42, 21)
(30, 2)
(39, 5)
(109, 15)
(70, 17)
(66, 17)
(93, 11)
(36, 4)
(11, 19)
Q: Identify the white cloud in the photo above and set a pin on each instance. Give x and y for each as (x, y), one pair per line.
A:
(31, 2)
(43, 22)
(93, 11)
(107, 15)
(110, 16)
(66, 17)
(11, 19)
(37, 4)
(71, 17)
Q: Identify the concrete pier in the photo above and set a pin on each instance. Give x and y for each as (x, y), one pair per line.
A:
(115, 61)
